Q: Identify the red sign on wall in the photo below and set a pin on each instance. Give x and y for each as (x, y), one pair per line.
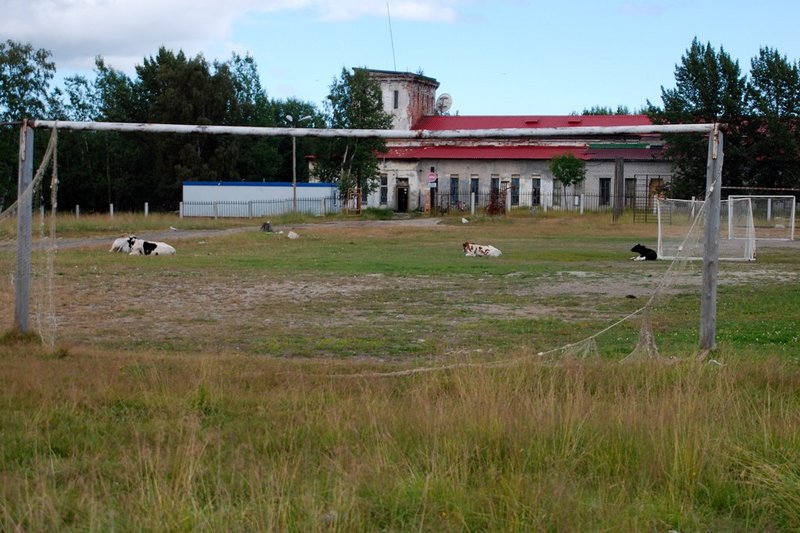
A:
(433, 180)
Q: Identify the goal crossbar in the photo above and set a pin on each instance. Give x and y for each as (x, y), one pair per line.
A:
(368, 133)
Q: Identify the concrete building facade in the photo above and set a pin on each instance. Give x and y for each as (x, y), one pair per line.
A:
(456, 168)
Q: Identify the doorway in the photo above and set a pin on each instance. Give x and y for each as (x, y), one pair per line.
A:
(402, 195)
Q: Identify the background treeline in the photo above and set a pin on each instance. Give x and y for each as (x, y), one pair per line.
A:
(762, 142)
(762, 138)
(128, 169)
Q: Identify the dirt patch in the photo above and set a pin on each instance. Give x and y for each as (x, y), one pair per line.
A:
(183, 234)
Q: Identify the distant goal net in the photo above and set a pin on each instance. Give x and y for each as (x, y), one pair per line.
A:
(681, 229)
(773, 216)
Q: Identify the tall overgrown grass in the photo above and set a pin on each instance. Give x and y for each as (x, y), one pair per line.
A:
(100, 442)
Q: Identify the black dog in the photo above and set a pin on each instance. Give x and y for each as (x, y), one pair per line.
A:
(644, 252)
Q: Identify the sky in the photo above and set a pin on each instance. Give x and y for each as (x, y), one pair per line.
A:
(502, 57)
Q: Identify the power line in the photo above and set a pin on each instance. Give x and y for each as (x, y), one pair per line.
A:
(391, 36)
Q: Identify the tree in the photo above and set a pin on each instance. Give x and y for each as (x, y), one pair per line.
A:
(774, 87)
(303, 115)
(25, 75)
(774, 147)
(603, 110)
(171, 88)
(709, 88)
(355, 102)
(568, 169)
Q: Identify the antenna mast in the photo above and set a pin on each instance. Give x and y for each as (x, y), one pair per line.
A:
(391, 37)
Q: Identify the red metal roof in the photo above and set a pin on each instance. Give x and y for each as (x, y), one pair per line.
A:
(528, 121)
(474, 150)
(518, 152)
(484, 152)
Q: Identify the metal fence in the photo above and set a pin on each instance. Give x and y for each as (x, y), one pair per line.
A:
(502, 201)
(260, 208)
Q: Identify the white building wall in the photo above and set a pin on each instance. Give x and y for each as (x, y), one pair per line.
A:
(416, 172)
(256, 199)
(245, 191)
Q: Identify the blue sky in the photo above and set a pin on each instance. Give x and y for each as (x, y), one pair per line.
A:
(505, 57)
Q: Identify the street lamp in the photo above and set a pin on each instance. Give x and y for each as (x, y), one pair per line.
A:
(290, 118)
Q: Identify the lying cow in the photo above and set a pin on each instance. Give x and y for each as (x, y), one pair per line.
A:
(143, 247)
(121, 245)
(480, 250)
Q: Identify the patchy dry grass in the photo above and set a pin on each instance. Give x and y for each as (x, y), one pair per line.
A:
(233, 387)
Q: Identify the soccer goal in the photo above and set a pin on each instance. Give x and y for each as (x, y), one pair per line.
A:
(773, 216)
(681, 229)
(701, 220)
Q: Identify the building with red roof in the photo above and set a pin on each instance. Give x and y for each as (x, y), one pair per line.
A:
(515, 167)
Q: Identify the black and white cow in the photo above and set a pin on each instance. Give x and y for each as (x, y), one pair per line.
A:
(143, 247)
(121, 245)
(645, 253)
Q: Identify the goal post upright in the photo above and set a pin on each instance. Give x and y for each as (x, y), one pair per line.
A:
(708, 298)
(22, 283)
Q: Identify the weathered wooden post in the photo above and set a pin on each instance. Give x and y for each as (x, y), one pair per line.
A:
(708, 300)
(24, 234)
(619, 189)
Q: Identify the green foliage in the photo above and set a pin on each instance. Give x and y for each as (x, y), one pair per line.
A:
(774, 149)
(709, 88)
(355, 102)
(25, 76)
(100, 168)
(568, 169)
(761, 141)
(605, 110)
(774, 87)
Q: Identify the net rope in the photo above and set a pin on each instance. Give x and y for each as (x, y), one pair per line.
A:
(586, 348)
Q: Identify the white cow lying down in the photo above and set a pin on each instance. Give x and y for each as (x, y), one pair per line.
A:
(143, 247)
(480, 250)
(121, 245)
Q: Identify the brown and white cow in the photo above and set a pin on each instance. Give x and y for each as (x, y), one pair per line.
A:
(480, 250)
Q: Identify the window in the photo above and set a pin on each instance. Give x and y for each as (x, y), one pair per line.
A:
(384, 189)
(474, 185)
(515, 189)
(536, 191)
(453, 188)
(630, 192)
(605, 191)
(396, 99)
(495, 183)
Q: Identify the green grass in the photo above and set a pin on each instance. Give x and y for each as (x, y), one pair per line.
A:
(234, 387)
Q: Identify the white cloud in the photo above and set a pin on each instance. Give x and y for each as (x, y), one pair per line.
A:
(125, 31)
(421, 10)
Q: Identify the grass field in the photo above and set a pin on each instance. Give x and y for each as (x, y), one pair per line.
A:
(240, 384)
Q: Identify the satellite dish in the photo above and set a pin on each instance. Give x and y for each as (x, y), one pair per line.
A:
(443, 104)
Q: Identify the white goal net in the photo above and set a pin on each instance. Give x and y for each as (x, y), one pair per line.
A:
(681, 229)
(773, 216)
